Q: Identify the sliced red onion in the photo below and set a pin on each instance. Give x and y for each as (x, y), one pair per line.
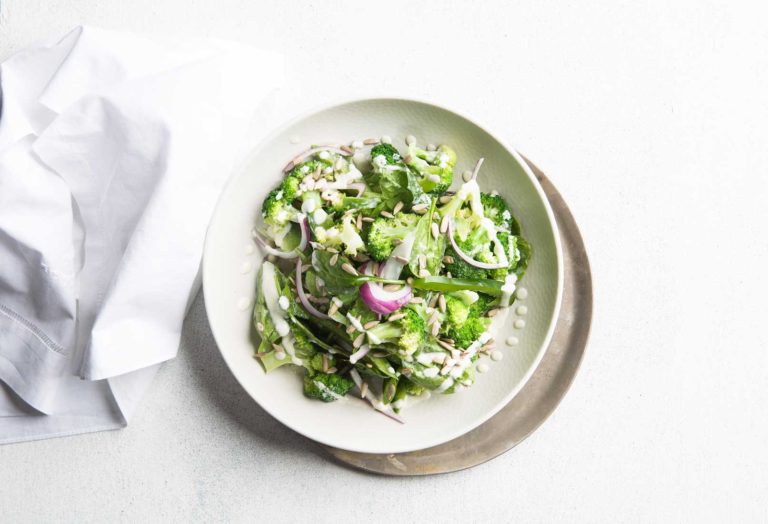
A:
(303, 296)
(309, 152)
(384, 302)
(306, 233)
(466, 258)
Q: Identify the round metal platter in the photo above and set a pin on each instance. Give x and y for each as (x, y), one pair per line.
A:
(538, 398)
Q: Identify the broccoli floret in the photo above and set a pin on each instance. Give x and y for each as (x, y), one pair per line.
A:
(481, 306)
(456, 311)
(277, 209)
(384, 230)
(434, 167)
(316, 363)
(460, 269)
(407, 333)
(326, 387)
(302, 345)
(388, 151)
(467, 332)
(350, 236)
(495, 208)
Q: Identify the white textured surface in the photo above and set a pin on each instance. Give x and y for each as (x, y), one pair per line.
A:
(652, 120)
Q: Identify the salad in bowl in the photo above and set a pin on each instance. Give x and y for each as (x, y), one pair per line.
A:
(379, 281)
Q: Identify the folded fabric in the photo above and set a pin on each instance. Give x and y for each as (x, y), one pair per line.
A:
(113, 150)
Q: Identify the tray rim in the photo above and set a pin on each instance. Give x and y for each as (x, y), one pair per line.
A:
(566, 224)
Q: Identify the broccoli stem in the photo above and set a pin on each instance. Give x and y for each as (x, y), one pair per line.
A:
(445, 284)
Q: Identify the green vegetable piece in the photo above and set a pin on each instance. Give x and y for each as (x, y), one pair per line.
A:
(447, 285)
(326, 387)
(386, 230)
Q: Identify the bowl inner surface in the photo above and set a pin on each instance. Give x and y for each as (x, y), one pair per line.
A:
(351, 423)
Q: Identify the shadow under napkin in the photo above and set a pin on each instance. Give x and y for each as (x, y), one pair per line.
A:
(218, 383)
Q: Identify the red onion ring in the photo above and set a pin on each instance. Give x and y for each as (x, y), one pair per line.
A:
(303, 296)
(466, 258)
(309, 152)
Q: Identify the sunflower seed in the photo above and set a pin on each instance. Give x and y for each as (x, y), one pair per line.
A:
(370, 141)
(448, 341)
(333, 309)
(318, 173)
(397, 316)
(432, 319)
(359, 221)
(379, 354)
(433, 301)
(435, 329)
(419, 207)
(325, 363)
(367, 219)
(402, 260)
(359, 340)
(441, 301)
(445, 199)
(387, 214)
(444, 224)
(447, 259)
(392, 287)
(409, 280)
(398, 207)
(364, 389)
(422, 261)
(407, 372)
(347, 149)
(349, 269)
(493, 312)
(350, 329)
(417, 300)
(278, 348)
(338, 165)
(334, 259)
(447, 346)
(435, 231)
(435, 216)
(332, 370)
(424, 273)
(370, 324)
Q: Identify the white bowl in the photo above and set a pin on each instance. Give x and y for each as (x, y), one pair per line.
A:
(229, 275)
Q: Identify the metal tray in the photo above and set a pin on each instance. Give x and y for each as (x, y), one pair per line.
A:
(538, 398)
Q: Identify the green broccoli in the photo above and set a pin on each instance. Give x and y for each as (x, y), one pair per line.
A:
(316, 363)
(434, 167)
(384, 231)
(468, 332)
(481, 306)
(302, 345)
(495, 208)
(456, 311)
(326, 387)
(460, 269)
(408, 333)
(388, 151)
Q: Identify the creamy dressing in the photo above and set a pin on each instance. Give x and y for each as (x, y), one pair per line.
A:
(288, 346)
(283, 303)
(246, 267)
(496, 355)
(519, 323)
(243, 303)
(522, 293)
(271, 298)
(498, 248)
(250, 249)
(482, 367)
(522, 310)
(508, 289)
(512, 341)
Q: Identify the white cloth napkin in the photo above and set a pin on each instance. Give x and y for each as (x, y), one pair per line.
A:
(113, 150)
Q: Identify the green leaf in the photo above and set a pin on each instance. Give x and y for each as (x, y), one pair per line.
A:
(402, 186)
(336, 280)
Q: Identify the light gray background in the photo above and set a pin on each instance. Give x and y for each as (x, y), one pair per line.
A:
(652, 120)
